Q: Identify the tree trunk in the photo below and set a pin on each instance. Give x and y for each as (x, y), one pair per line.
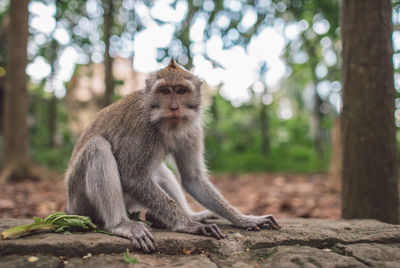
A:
(16, 95)
(368, 130)
(2, 102)
(264, 127)
(335, 168)
(3, 40)
(317, 115)
(52, 117)
(108, 8)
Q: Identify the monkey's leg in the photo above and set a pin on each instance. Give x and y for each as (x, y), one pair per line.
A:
(168, 182)
(94, 189)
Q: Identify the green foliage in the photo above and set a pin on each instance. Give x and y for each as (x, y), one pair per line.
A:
(233, 140)
(297, 159)
(58, 222)
(55, 157)
(64, 221)
(129, 259)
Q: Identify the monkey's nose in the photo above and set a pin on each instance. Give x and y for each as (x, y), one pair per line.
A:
(174, 107)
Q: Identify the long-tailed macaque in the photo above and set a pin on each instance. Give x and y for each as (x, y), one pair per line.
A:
(118, 161)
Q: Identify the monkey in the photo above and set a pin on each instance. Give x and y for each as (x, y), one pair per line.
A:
(119, 161)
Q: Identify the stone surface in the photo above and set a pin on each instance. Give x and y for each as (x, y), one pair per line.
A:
(192, 261)
(287, 256)
(25, 261)
(372, 254)
(106, 261)
(300, 243)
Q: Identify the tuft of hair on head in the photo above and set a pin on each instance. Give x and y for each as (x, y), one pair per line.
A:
(172, 72)
(172, 64)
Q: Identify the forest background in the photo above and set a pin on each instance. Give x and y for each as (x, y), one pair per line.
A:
(272, 71)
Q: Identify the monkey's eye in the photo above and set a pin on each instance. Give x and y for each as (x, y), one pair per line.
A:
(164, 90)
(182, 90)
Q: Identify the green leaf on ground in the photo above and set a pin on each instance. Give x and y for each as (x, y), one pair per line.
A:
(103, 232)
(129, 259)
(56, 222)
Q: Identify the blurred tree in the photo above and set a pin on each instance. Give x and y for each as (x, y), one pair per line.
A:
(335, 166)
(50, 50)
(264, 119)
(106, 28)
(52, 121)
(319, 20)
(318, 34)
(370, 181)
(16, 157)
(108, 18)
(4, 24)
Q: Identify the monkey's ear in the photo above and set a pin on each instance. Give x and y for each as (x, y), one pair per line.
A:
(197, 82)
(149, 82)
(173, 64)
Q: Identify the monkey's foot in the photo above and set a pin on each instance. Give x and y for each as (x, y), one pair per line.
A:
(203, 215)
(138, 232)
(201, 229)
(255, 223)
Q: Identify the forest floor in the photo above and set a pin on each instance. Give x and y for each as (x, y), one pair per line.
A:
(284, 195)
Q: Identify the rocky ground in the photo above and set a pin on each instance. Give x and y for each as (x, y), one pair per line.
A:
(300, 243)
(323, 242)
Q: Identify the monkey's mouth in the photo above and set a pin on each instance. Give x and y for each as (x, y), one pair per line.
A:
(174, 119)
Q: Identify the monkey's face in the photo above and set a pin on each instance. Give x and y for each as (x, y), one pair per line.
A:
(175, 103)
(174, 96)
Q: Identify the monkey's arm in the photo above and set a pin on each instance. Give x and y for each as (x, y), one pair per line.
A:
(192, 168)
(166, 180)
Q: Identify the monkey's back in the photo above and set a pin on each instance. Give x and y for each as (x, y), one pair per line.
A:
(117, 122)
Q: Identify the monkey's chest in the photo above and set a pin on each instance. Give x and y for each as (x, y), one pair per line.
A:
(138, 158)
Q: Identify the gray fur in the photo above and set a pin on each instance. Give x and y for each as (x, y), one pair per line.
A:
(118, 162)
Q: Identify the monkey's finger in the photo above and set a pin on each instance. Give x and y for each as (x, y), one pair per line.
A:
(271, 224)
(203, 230)
(266, 225)
(272, 218)
(149, 234)
(253, 227)
(143, 245)
(219, 231)
(214, 232)
(135, 243)
(148, 227)
(149, 243)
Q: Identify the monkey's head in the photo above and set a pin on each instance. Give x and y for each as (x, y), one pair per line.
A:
(173, 96)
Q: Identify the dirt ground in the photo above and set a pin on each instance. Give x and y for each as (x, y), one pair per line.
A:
(284, 195)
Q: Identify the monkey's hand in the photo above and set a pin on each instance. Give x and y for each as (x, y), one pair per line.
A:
(255, 223)
(201, 229)
(138, 232)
